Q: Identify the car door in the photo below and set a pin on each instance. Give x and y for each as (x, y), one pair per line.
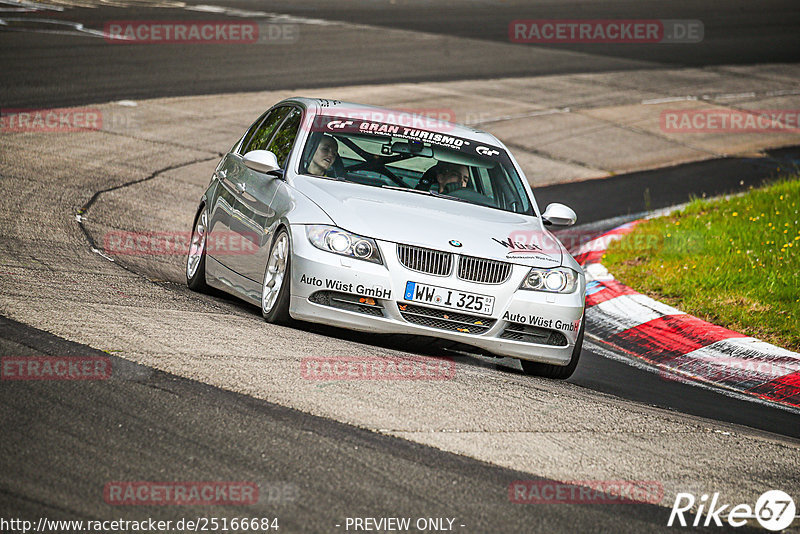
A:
(226, 227)
(253, 211)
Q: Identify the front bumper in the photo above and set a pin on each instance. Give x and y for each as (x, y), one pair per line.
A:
(316, 274)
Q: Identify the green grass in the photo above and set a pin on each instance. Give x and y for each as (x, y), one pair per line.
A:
(733, 262)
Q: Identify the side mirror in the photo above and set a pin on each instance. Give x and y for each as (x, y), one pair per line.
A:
(262, 161)
(559, 215)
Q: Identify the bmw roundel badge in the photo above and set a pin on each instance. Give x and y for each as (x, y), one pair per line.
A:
(455, 243)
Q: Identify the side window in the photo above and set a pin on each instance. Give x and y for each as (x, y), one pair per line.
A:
(249, 133)
(282, 143)
(262, 135)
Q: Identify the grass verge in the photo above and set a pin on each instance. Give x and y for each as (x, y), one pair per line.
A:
(732, 262)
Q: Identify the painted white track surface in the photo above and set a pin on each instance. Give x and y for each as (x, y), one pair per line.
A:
(52, 280)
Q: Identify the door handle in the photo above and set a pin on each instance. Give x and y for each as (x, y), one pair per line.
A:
(240, 187)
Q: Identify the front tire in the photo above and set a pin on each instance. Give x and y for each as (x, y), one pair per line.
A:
(560, 372)
(275, 290)
(196, 259)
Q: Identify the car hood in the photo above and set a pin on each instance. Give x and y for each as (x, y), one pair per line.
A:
(431, 222)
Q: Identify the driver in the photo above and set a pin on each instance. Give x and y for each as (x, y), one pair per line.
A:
(324, 156)
(451, 176)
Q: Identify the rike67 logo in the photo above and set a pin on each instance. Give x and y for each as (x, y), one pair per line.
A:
(774, 510)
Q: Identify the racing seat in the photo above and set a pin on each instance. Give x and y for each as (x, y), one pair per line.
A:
(337, 169)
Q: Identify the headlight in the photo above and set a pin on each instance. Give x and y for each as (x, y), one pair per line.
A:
(338, 241)
(558, 280)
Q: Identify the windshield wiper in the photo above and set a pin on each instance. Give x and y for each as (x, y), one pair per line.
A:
(408, 189)
(429, 193)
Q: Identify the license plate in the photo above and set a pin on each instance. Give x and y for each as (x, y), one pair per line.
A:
(449, 298)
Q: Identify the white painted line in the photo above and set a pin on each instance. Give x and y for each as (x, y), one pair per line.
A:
(60, 27)
(103, 254)
(34, 6)
(730, 96)
(723, 96)
(668, 99)
(783, 92)
(752, 345)
(274, 17)
(596, 272)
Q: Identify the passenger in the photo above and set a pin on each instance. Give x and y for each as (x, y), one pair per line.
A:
(326, 153)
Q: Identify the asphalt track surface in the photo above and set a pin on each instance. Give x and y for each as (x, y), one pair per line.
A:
(320, 471)
(41, 69)
(312, 472)
(75, 434)
(639, 192)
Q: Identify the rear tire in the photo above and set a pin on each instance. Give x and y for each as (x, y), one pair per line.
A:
(196, 258)
(275, 289)
(560, 372)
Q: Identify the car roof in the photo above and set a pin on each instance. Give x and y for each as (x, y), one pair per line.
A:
(322, 106)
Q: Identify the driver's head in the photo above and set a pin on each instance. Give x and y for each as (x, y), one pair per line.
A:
(451, 173)
(324, 155)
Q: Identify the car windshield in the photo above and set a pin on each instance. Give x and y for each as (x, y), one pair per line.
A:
(420, 161)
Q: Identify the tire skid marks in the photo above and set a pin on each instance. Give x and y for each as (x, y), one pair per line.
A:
(742, 361)
(665, 339)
